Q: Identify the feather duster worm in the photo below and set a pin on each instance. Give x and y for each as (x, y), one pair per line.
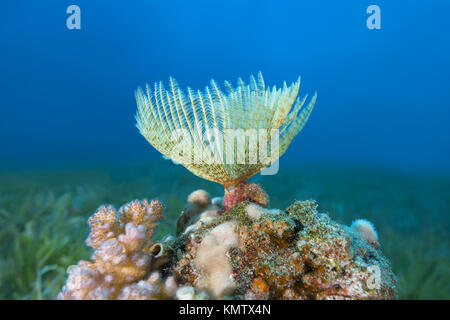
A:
(223, 137)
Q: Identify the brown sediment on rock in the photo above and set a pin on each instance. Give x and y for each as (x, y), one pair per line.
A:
(296, 254)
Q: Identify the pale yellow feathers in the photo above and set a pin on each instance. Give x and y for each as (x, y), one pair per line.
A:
(222, 137)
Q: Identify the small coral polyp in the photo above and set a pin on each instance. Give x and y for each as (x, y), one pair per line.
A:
(246, 252)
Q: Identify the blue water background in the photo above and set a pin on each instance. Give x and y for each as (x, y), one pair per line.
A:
(67, 96)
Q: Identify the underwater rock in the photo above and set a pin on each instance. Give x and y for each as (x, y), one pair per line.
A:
(251, 252)
(247, 252)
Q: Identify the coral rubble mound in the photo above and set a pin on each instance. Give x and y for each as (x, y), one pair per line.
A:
(247, 252)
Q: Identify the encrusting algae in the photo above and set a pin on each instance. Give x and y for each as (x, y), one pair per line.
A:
(231, 246)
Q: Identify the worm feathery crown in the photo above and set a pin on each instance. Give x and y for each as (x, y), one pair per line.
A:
(201, 130)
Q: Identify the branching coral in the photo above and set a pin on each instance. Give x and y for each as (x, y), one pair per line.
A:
(122, 260)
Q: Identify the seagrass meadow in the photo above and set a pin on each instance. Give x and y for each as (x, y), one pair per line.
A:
(43, 216)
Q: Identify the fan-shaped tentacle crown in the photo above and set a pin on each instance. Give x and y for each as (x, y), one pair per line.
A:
(222, 137)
